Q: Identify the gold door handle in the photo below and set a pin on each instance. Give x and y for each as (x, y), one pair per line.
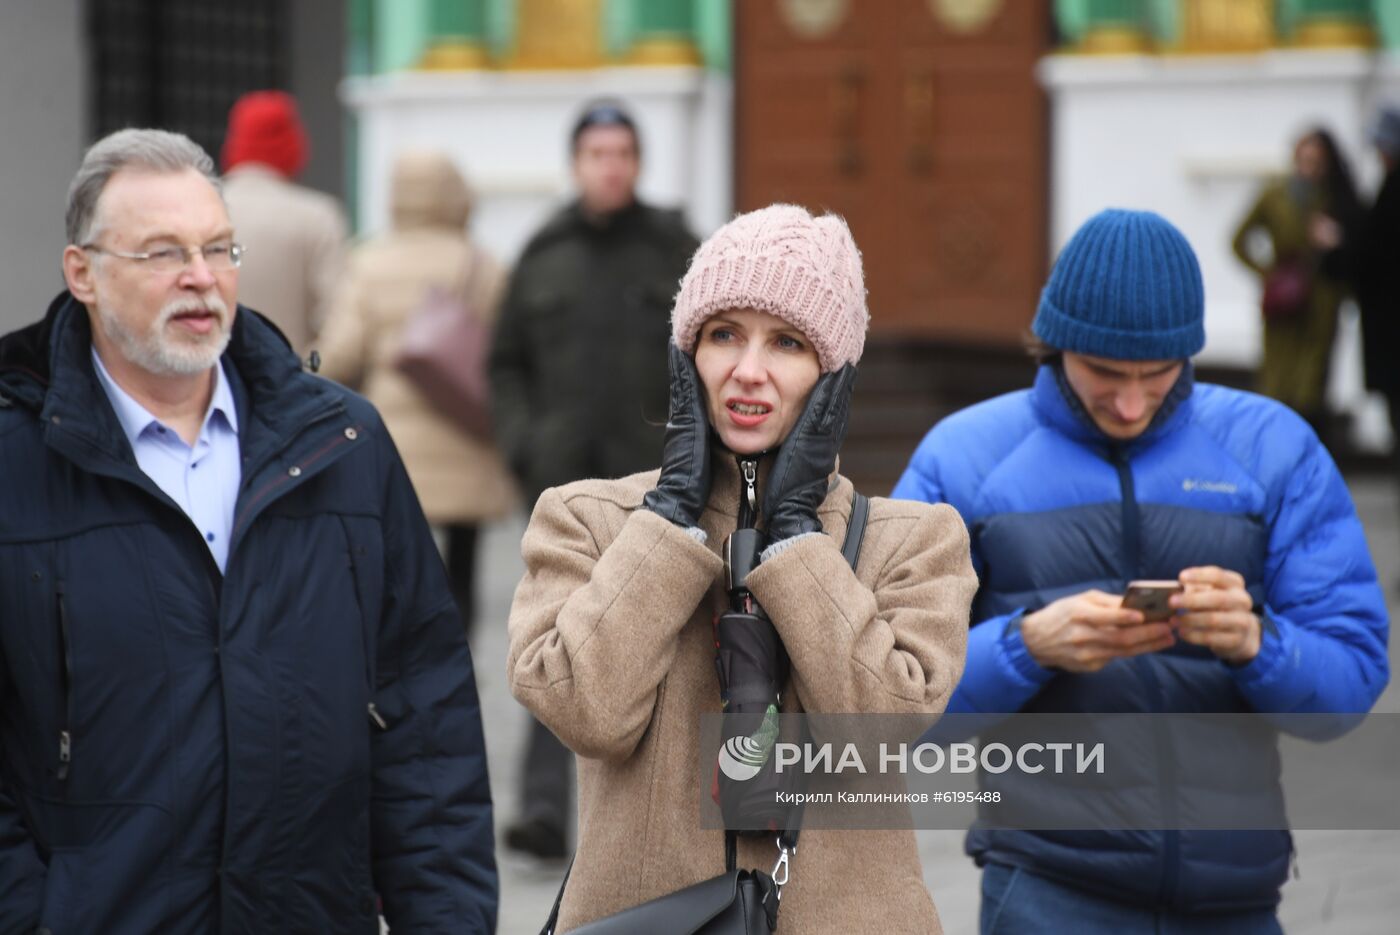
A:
(847, 96)
(918, 121)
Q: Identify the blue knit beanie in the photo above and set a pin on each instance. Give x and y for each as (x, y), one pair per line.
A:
(1127, 287)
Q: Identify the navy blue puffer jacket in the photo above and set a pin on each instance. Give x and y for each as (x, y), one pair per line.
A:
(1220, 477)
(185, 751)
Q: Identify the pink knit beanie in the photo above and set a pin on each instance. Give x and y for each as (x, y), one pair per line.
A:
(780, 260)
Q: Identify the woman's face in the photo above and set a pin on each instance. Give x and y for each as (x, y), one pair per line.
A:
(1310, 159)
(758, 371)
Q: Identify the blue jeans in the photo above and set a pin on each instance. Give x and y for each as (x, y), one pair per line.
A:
(1016, 902)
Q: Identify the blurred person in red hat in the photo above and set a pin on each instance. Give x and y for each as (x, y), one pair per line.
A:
(295, 236)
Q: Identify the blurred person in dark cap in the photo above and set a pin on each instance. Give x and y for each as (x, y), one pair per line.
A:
(578, 369)
(295, 236)
(1378, 272)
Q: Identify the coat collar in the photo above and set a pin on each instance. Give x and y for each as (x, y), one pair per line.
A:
(1058, 405)
(621, 222)
(47, 369)
(721, 514)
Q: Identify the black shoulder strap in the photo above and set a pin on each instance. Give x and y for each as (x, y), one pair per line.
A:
(850, 548)
(554, 913)
(855, 530)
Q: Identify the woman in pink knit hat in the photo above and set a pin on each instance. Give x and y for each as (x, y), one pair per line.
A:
(628, 625)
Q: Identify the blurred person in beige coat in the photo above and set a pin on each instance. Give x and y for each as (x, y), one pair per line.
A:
(460, 479)
(612, 634)
(295, 236)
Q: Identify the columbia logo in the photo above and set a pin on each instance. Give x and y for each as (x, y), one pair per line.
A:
(1208, 486)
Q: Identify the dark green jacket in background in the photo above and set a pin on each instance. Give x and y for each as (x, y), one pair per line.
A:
(578, 363)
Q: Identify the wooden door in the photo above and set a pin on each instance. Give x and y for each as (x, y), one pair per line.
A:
(920, 121)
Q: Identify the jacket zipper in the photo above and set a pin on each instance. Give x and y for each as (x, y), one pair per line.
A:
(1132, 555)
(370, 677)
(748, 515)
(1131, 521)
(748, 502)
(65, 736)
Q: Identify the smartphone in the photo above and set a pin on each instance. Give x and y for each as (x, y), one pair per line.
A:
(1151, 598)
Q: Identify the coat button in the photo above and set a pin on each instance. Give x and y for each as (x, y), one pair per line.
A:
(294, 471)
(351, 434)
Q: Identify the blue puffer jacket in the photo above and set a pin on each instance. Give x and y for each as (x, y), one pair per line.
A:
(184, 751)
(1220, 477)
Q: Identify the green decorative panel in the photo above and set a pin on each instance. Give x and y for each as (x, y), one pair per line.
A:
(1335, 9)
(457, 18)
(620, 25)
(1072, 18)
(1297, 17)
(500, 25)
(1387, 17)
(1128, 13)
(400, 33)
(714, 32)
(1164, 21)
(670, 17)
(1077, 17)
(1292, 12)
(707, 23)
(359, 39)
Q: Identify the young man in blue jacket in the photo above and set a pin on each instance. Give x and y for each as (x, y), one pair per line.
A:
(1116, 465)
(234, 692)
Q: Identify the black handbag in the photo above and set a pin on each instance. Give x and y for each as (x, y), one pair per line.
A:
(737, 902)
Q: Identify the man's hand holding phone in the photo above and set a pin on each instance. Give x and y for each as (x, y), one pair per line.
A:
(1085, 632)
(1215, 611)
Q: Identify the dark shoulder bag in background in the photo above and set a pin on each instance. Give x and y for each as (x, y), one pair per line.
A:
(442, 352)
(1287, 288)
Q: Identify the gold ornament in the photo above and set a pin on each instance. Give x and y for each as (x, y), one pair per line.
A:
(1227, 25)
(814, 19)
(965, 16)
(558, 34)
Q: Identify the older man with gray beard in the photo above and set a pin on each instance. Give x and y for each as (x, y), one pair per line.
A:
(233, 685)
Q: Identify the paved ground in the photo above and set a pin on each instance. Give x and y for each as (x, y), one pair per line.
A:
(1342, 885)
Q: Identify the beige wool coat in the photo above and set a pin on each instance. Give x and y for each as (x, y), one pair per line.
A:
(296, 239)
(611, 646)
(458, 478)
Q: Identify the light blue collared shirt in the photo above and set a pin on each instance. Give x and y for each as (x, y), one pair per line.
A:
(203, 480)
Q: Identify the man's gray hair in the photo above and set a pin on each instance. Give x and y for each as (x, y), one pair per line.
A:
(151, 150)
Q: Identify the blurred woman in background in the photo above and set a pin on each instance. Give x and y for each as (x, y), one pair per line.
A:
(1310, 221)
(459, 477)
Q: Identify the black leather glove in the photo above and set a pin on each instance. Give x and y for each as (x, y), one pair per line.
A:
(798, 482)
(684, 485)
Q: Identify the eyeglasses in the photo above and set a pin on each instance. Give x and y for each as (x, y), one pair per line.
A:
(219, 257)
